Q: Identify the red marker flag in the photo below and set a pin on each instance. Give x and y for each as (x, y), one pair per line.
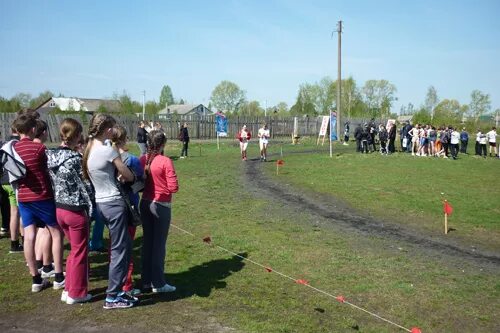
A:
(280, 162)
(304, 282)
(340, 298)
(447, 208)
(269, 269)
(415, 330)
(207, 240)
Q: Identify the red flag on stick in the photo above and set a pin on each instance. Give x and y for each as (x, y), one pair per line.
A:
(278, 164)
(416, 330)
(447, 208)
(340, 298)
(269, 269)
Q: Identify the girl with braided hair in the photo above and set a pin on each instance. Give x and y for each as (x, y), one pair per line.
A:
(100, 164)
(119, 139)
(156, 210)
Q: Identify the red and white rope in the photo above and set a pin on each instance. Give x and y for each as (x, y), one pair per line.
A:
(207, 240)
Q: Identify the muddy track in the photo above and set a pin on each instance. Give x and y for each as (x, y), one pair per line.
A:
(339, 215)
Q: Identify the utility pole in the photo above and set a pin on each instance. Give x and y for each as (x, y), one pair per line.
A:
(143, 105)
(339, 79)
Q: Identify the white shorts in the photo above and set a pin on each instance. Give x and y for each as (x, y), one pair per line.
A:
(243, 145)
(262, 143)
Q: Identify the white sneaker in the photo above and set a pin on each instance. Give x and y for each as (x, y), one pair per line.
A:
(165, 289)
(37, 287)
(64, 296)
(46, 275)
(59, 285)
(85, 299)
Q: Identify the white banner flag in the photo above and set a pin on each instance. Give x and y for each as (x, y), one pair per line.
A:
(324, 125)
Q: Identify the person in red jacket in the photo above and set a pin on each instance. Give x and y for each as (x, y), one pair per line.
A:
(244, 136)
(156, 212)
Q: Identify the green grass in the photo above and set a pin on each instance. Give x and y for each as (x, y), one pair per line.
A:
(404, 286)
(408, 190)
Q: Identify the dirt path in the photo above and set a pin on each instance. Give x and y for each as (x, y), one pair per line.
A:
(339, 215)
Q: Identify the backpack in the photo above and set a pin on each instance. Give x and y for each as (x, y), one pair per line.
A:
(4, 176)
(11, 165)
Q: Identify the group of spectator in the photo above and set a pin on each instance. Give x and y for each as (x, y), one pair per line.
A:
(421, 140)
(59, 191)
(146, 127)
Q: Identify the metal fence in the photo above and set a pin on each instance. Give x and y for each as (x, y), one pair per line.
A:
(200, 127)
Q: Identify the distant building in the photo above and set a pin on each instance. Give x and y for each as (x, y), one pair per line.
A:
(185, 109)
(87, 105)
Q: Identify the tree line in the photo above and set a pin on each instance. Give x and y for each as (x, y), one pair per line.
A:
(374, 99)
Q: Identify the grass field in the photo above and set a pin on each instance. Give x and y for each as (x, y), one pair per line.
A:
(218, 292)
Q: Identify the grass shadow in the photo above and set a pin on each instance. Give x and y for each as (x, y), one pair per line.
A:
(198, 280)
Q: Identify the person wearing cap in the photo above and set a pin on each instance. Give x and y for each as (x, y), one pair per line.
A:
(244, 136)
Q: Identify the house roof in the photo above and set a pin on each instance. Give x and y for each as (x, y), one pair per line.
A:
(81, 104)
(180, 108)
(92, 104)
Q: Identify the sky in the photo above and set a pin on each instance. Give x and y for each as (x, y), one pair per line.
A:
(94, 49)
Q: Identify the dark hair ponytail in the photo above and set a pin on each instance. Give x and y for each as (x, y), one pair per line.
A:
(156, 139)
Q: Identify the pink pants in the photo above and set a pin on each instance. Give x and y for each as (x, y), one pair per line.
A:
(76, 228)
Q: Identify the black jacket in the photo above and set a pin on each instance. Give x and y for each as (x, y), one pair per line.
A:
(357, 132)
(142, 135)
(184, 135)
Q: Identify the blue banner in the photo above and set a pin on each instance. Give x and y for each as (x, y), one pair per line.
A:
(221, 124)
(333, 126)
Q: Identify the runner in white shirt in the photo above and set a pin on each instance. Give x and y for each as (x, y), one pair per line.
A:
(263, 141)
(492, 140)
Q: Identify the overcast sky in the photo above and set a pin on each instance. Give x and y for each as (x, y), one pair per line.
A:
(94, 49)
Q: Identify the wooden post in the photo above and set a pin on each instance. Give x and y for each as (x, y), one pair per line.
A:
(445, 223)
(445, 218)
(277, 169)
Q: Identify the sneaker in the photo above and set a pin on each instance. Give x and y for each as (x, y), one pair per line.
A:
(135, 292)
(126, 295)
(64, 296)
(3, 231)
(16, 249)
(76, 300)
(165, 289)
(46, 275)
(59, 285)
(37, 287)
(117, 303)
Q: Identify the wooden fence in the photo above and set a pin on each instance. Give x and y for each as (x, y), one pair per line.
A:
(200, 127)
